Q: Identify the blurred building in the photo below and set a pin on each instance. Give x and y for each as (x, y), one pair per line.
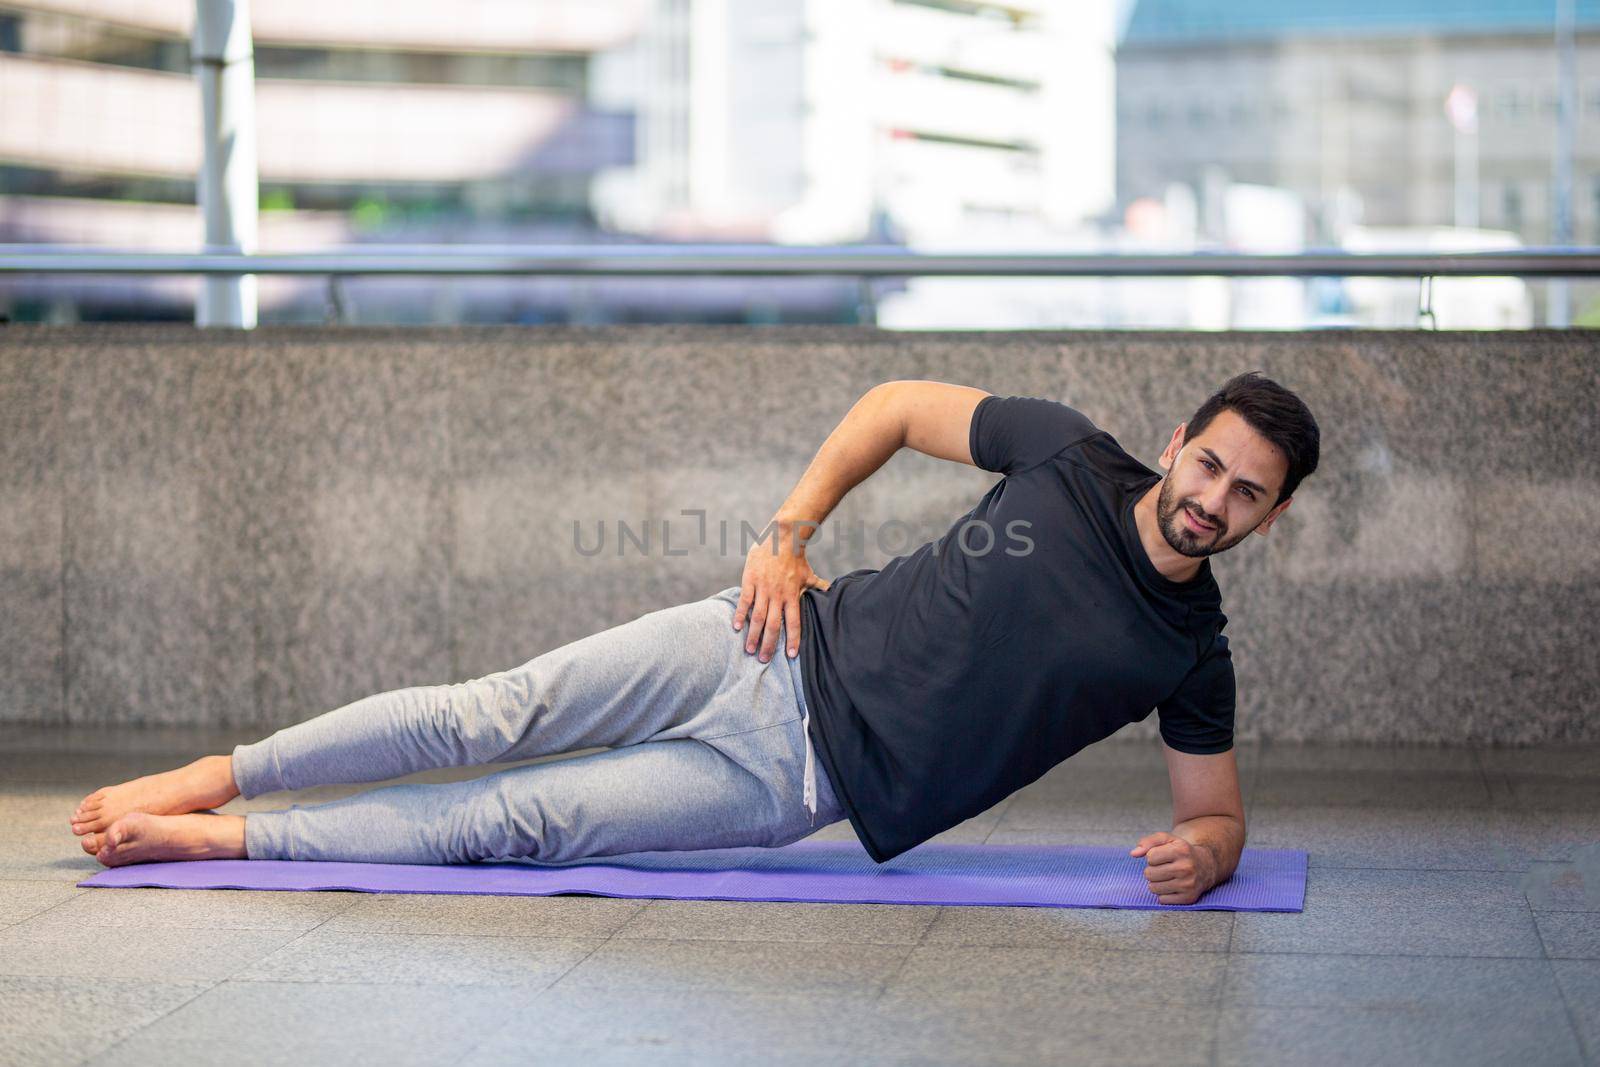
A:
(1343, 104)
(822, 121)
(402, 120)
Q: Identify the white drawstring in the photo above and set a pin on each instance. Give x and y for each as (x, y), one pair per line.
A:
(809, 793)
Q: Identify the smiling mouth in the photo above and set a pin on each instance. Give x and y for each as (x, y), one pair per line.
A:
(1198, 525)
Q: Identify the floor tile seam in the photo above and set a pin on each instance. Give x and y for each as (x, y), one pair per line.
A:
(952, 944)
(279, 948)
(1000, 816)
(1417, 870)
(1033, 943)
(1565, 911)
(46, 910)
(235, 979)
(431, 934)
(644, 906)
(108, 928)
(603, 942)
(1538, 934)
(770, 941)
(1378, 955)
(664, 984)
(1230, 949)
(905, 961)
(1577, 959)
(779, 941)
(1429, 870)
(1435, 1012)
(469, 1054)
(1589, 1055)
(1215, 1038)
(125, 1038)
(250, 980)
(933, 920)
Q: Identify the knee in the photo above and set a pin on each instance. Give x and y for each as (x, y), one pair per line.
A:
(499, 824)
(480, 717)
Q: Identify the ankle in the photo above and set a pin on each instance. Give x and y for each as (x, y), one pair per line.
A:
(218, 773)
(227, 836)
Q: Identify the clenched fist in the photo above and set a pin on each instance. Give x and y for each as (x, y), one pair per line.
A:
(1178, 870)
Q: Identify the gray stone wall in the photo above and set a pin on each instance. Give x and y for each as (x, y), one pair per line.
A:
(247, 530)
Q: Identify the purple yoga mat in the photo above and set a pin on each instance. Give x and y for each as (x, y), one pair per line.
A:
(1039, 876)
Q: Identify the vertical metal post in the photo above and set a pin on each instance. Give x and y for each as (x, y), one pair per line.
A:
(1560, 312)
(866, 302)
(333, 311)
(1425, 302)
(224, 65)
(1462, 107)
(1467, 195)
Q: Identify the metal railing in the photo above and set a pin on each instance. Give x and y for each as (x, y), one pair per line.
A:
(847, 260)
(863, 262)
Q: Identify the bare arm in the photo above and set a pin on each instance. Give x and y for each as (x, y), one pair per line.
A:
(937, 418)
(1208, 830)
(931, 417)
(1207, 808)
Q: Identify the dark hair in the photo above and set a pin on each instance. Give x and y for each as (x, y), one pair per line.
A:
(1273, 412)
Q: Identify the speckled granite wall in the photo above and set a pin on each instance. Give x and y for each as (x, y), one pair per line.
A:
(253, 529)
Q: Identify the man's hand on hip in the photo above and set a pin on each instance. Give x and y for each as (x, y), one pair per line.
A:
(776, 572)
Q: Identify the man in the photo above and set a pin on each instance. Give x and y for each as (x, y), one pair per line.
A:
(911, 697)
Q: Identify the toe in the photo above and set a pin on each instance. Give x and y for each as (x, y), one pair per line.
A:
(107, 853)
(91, 843)
(120, 844)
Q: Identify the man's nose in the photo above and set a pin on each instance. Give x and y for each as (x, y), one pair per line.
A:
(1215, 504)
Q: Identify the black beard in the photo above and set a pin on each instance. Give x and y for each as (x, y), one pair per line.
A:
(1169, 517)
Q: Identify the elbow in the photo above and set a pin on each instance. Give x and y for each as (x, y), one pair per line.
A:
(882, 401)
(882, 391)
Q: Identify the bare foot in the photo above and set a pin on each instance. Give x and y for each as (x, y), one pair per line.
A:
(143, 838)
(205, 783)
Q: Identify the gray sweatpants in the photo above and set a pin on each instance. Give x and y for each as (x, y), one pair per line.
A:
(706, 750)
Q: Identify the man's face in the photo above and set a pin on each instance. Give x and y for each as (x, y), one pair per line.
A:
(1226, 478)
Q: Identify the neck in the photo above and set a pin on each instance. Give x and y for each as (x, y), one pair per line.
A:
(1172, 564)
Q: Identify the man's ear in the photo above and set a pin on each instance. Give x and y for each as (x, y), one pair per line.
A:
(1272, 516)
(1174, 446)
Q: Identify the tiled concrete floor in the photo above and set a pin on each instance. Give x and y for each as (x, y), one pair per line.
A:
(1452, 916)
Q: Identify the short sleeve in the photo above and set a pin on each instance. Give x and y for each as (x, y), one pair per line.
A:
(1012, 433)
(1198, 718)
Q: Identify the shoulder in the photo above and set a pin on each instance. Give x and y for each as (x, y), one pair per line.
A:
(1012, 433)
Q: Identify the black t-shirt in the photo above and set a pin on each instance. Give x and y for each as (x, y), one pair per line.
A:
(953, 677)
